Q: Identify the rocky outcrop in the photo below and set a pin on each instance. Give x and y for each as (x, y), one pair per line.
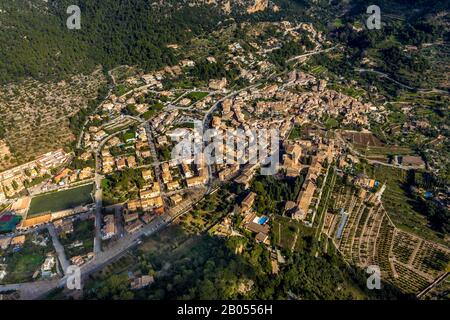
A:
(239, 6)
(259, 5)
(226, 7)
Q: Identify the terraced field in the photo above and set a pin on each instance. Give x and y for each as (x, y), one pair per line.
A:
(402, 208)
(36, 114)
(369, 237)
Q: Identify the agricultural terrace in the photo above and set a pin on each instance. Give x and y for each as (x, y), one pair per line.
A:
(369, 145)
(61, 200)
(361, 229)
(119, 125)
(402, 208)
(324, 195)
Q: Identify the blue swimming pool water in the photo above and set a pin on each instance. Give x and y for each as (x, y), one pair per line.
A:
(262, 220)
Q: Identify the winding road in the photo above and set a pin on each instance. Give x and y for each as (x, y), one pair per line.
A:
(385, 75)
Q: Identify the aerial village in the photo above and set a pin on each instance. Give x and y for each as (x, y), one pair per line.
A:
(122, 183)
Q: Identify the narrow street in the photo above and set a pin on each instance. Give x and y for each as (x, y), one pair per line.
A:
(156, 161)
(58, 247)
(118, 220)
(98, 207)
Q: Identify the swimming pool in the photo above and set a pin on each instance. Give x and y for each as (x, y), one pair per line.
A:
(263, 220)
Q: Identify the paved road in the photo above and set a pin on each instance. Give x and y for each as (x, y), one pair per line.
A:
(38, 289)
(98, 215)
(98, 207)
(56, 188)
(310, 54)
(207, 120)
(59, 248)
(385, 75)
(172, 106)
(80, 137)
(120, 247)
(436, 282)
(31, 290)
(99, 193)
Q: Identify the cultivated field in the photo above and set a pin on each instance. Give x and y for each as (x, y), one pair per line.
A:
(362, 138)
(402, 207)
(368, 144)
(369, 237)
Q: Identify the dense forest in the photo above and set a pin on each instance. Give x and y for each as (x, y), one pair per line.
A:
(37, 43)
(112, 33)
(212, 270)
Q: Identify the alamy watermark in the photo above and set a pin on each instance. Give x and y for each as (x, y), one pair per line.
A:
(374, 20)
(73, 274)
(374, 280)
(74, 20)
(231, 146)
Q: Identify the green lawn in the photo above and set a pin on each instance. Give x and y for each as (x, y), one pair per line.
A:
(190, 125)
(331, 123)
(62, 200)
(129, 136)
(197, 96)
(338, 23)
(296, 133)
